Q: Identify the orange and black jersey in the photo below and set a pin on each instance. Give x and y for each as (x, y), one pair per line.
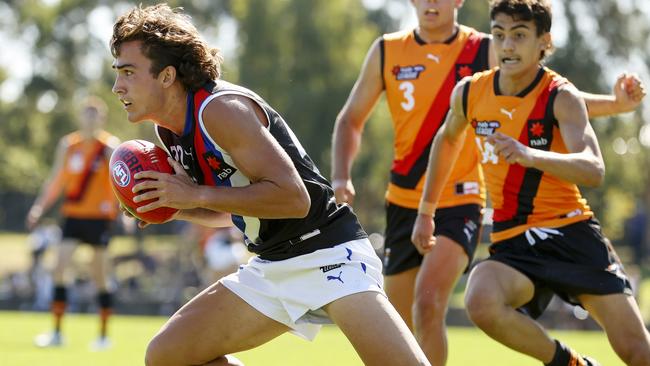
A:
(86, 184)
(419, 79)
(522, 197)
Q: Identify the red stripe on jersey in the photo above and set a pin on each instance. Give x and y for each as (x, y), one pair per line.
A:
(438, 110)
(87, 174)
(514, 178)
(199, 143)
(516, 173)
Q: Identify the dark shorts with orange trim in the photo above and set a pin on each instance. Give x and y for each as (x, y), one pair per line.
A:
(568, 261)
(462, 224)
(95, 232)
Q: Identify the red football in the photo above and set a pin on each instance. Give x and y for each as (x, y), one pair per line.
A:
(129, 158)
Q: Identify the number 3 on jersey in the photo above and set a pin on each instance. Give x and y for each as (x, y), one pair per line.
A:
(408, 88)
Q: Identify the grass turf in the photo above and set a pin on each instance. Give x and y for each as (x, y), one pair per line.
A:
(130, 334)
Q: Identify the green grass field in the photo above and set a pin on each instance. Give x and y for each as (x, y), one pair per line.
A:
(130, 335)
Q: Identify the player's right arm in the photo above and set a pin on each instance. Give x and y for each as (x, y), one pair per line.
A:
(51, 188)
(348, 128)
(444, 152)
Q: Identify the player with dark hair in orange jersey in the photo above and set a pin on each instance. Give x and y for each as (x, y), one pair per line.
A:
(417, 70)
(531, 128)
(80, 174)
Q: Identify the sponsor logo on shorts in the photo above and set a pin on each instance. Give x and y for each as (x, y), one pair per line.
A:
(470, 229)
(386, 256)
(338, 278)
(330, 267)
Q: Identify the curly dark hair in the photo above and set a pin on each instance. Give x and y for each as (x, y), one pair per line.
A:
(539, 11)
(168, 39)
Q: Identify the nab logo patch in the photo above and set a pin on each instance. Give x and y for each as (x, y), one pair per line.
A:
(537, 136)
(407, 72)
(218, 166)
(485, 128)
(121, 174)
(463, 71)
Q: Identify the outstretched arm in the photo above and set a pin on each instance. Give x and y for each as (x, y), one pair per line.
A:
(348, 128)
(626, 96)
(444, 153)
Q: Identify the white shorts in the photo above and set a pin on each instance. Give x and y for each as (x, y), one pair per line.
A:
(294, 290)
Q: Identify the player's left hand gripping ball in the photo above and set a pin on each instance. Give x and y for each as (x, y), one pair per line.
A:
(129, 158)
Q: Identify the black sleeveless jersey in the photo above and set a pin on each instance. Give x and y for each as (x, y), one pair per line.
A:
(326, 225)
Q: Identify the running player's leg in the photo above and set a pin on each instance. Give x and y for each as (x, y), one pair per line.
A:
(97, 233)
(439, 272)
(400, 291)
(101, 276)
(65, 252)
(493, 293)
(457, 234)
(212, 325)
(620, 317)
(371, 324)
(401, 260)
(100, 263)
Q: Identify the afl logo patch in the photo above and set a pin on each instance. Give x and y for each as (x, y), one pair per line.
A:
(121, 174)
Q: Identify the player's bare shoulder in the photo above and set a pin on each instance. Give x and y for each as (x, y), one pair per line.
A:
(230, 109)
(569, 104)
(231, 117)
(458, 98)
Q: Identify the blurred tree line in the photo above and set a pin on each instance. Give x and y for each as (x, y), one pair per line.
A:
(303, 57)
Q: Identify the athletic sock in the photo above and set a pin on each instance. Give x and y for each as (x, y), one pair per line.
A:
(105, 300)
(565, 356)
(59, 303)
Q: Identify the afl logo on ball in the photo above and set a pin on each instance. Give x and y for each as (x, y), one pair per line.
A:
(121, 174)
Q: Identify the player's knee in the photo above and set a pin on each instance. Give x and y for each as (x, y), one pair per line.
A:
(153, 354)
(430, 307)
(482, 308)
(161, 352)
(165, 350)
